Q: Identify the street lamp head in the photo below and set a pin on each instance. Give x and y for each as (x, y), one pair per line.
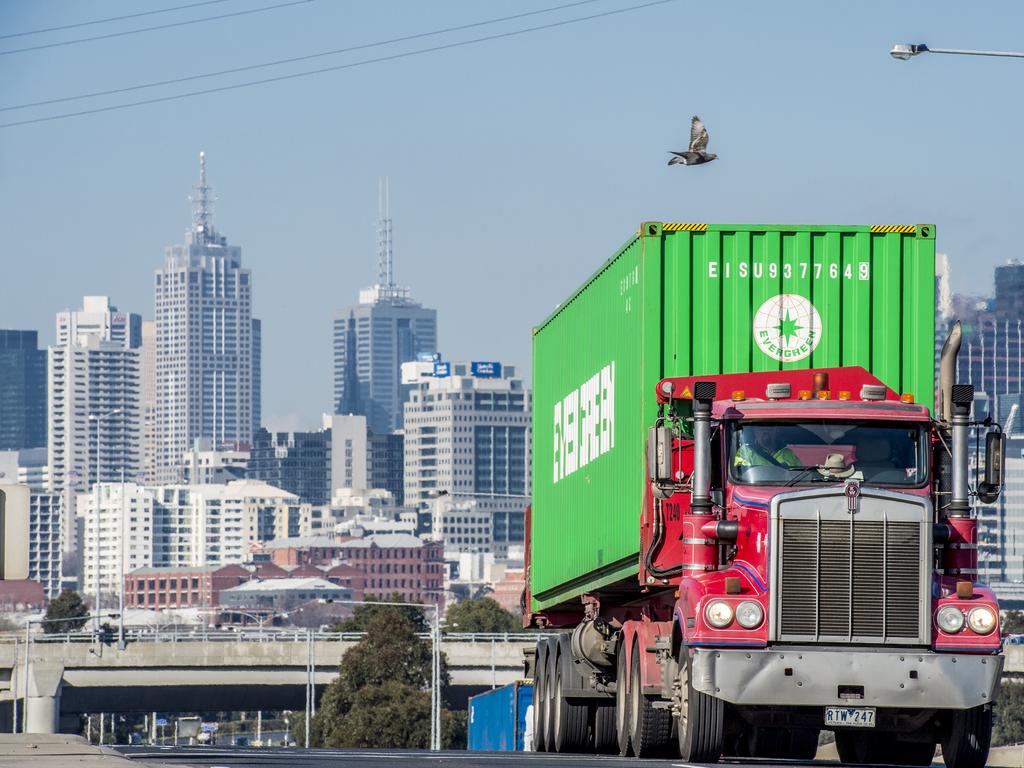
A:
(904, 51)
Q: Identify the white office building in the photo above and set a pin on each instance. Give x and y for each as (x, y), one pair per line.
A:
(204, 465)
(94, 400)
(118, 527)
(467, 436)
(463, 526)
(206, 343)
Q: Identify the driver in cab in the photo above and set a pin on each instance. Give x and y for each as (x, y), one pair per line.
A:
(764, 446)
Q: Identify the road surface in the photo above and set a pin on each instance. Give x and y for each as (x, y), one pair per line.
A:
(243, 757)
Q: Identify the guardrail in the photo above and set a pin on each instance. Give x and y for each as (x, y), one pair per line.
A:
(250, 635)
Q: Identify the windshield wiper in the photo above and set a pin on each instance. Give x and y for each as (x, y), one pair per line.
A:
(801, 470)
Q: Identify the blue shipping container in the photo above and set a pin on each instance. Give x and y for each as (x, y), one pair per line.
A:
(497, 719)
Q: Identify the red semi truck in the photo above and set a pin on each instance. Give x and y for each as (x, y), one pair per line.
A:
(805, 547)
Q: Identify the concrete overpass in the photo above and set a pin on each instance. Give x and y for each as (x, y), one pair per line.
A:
(218, 672)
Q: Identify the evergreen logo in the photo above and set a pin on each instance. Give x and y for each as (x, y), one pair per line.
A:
(787, 327)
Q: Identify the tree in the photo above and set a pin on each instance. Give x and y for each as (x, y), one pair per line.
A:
(1013, 623)
(363, 614)
(1009, 727)
(381, 697)
(67, 605)
(481, 615)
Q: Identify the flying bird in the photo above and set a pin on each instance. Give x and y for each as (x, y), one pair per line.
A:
(697, 153)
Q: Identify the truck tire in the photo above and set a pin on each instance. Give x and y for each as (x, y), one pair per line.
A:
(605, 738)
(650, 728)
(568, 721)
(622, 724)
(700, 721)
(540, 689)
(966, 743)
(550, 669)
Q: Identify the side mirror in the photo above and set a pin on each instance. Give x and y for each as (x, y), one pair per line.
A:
(995, 451)
(659, 454)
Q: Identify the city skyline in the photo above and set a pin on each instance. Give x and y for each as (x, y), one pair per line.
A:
(532, 178)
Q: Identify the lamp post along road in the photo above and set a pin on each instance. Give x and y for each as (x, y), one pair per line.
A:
(905, 51)
(98, 418)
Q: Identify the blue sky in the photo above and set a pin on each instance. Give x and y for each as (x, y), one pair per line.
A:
(516, 165)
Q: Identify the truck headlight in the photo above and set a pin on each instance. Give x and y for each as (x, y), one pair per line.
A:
(982, 620)
(950, 619)
(749, 614)
(718, 613)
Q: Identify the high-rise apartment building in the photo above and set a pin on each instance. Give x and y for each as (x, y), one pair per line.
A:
(147, 361)
(374, 337)
(95, 401)
(118, 529)
(467, 436)
(206, 384)
(44, 543)
(22, 391)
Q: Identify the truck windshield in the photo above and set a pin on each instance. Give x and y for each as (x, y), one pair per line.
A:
(805, 452)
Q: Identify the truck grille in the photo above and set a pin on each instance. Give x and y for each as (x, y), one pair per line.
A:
(845, 577)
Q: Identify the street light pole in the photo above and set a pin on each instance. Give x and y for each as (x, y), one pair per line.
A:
(98, 418)
(904, 51)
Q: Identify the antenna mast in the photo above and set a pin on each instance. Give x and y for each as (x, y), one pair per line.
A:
(202, 206)
(385, 256)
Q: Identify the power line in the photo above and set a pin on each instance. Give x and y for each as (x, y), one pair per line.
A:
(339, 67)
(294, 59)
(152, 29)
(109, 18)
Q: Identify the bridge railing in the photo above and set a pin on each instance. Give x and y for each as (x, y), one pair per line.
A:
(175, 634)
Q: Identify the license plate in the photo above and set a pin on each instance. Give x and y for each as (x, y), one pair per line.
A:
(855, 717)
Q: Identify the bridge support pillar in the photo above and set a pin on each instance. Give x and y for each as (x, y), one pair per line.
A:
(42, 710)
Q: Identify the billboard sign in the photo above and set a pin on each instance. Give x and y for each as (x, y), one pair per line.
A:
(485, 370)
(442, 370)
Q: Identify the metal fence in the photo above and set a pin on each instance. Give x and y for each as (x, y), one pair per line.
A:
(179, 634)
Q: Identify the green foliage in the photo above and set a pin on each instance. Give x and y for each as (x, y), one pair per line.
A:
(67, 605)
(1009, 710)
(362, 614)
(1013, 623)
(480, 615)
(381, 697)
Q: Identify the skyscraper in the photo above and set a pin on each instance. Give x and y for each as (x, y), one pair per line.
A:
(22, 391)
(206, 384)
(95, 401)
(374, 337)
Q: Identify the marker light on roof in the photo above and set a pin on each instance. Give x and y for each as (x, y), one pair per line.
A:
(844, 394)
(739, 394)
(804, 394)
(907, 397)
(824, 394)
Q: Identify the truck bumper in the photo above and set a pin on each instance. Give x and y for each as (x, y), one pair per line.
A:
(911, 678)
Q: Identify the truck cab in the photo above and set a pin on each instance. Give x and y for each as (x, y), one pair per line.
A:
(808, 563)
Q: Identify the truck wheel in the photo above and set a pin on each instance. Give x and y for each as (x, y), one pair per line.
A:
(605, 738)
(540, 690)
(622, 724)
(650, 728)
(550, 667)
(569, 721)
(966, 743)
(700, 721)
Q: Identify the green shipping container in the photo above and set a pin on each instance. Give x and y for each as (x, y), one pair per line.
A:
(691, 299)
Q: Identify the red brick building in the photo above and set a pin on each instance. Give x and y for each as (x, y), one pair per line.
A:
(398, 562)
(298, 550)
(181, 587)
